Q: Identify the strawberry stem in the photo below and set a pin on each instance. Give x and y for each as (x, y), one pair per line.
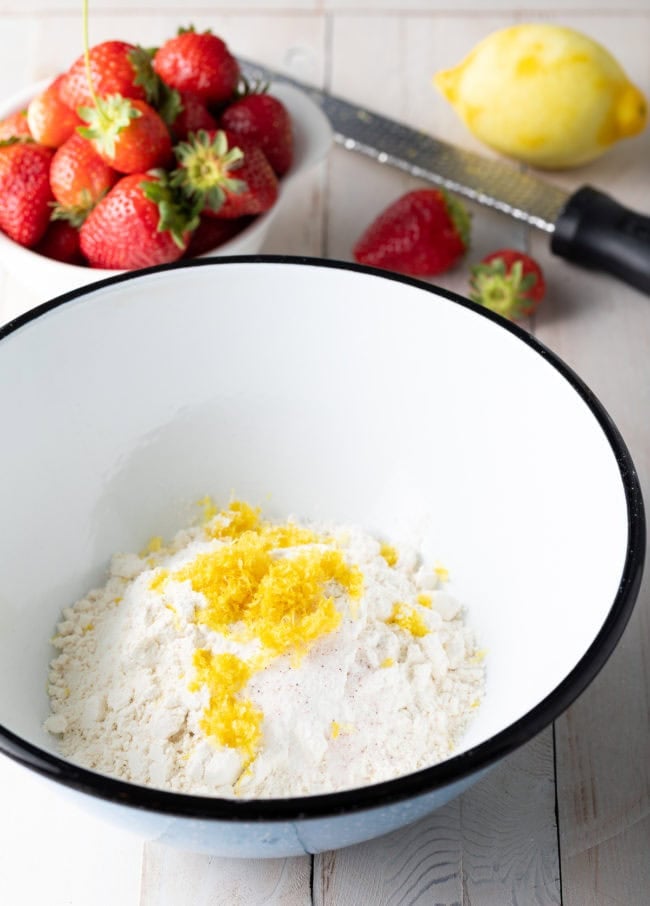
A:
(86, 47)
(246, 87)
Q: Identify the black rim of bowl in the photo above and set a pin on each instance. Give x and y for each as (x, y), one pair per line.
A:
(427, 780)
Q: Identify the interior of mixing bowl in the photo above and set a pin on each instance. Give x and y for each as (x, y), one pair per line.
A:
(318, 390)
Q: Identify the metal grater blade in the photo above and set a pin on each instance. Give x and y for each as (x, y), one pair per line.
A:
(487, 182)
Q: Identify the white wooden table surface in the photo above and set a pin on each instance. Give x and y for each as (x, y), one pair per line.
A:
(567, 818)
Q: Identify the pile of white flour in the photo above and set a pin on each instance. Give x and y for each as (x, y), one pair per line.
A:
(387, 692)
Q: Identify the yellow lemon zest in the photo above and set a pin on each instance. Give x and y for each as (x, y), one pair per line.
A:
(441, 572)
(424, 600)
(478, 657)
(407, 618)
(209, 509)
(280, 601)
(285, 602)
(240, 517)
(337, 729)
(176, 619)
(245, 774)
(159, 580)
(233, 721)
(387, 662)
(389, 553)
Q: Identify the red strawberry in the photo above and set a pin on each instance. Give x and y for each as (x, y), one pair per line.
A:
(265, 121)
(79, 177)
(137, 224)
(229, 177)
(50, 120)
(193, 115)
(508, 282)
(200, 63)
(24, 190)
(61, 242)
(422, 233)
(128, 135)
(112, 71)
(211, 233)
(14, 126)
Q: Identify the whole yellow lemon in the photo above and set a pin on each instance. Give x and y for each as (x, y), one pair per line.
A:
(544, 94)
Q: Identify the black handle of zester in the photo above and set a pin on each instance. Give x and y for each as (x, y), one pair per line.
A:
(596, 231)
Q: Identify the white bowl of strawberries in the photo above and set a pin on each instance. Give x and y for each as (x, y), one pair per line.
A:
(144, 157)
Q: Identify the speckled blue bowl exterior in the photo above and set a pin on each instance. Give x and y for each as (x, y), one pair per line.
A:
(270, 838)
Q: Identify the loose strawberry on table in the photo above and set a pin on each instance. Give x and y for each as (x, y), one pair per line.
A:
(423, 233)
(200, 63)
(508, 282)
(25, 190)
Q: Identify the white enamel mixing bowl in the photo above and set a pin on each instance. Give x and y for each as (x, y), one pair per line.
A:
(46, 277)
(329, 391)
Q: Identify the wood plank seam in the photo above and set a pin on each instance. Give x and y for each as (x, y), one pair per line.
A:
(328, 41)
(557, 819)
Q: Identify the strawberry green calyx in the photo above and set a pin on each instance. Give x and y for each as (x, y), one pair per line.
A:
(106, 120)
(246, 87)
(178, 214)
(460, 217)
(75, 214)
(165, 100)
(500, 290)
(17, 140)
(206, 164)
(190, 30)
(144, 75)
